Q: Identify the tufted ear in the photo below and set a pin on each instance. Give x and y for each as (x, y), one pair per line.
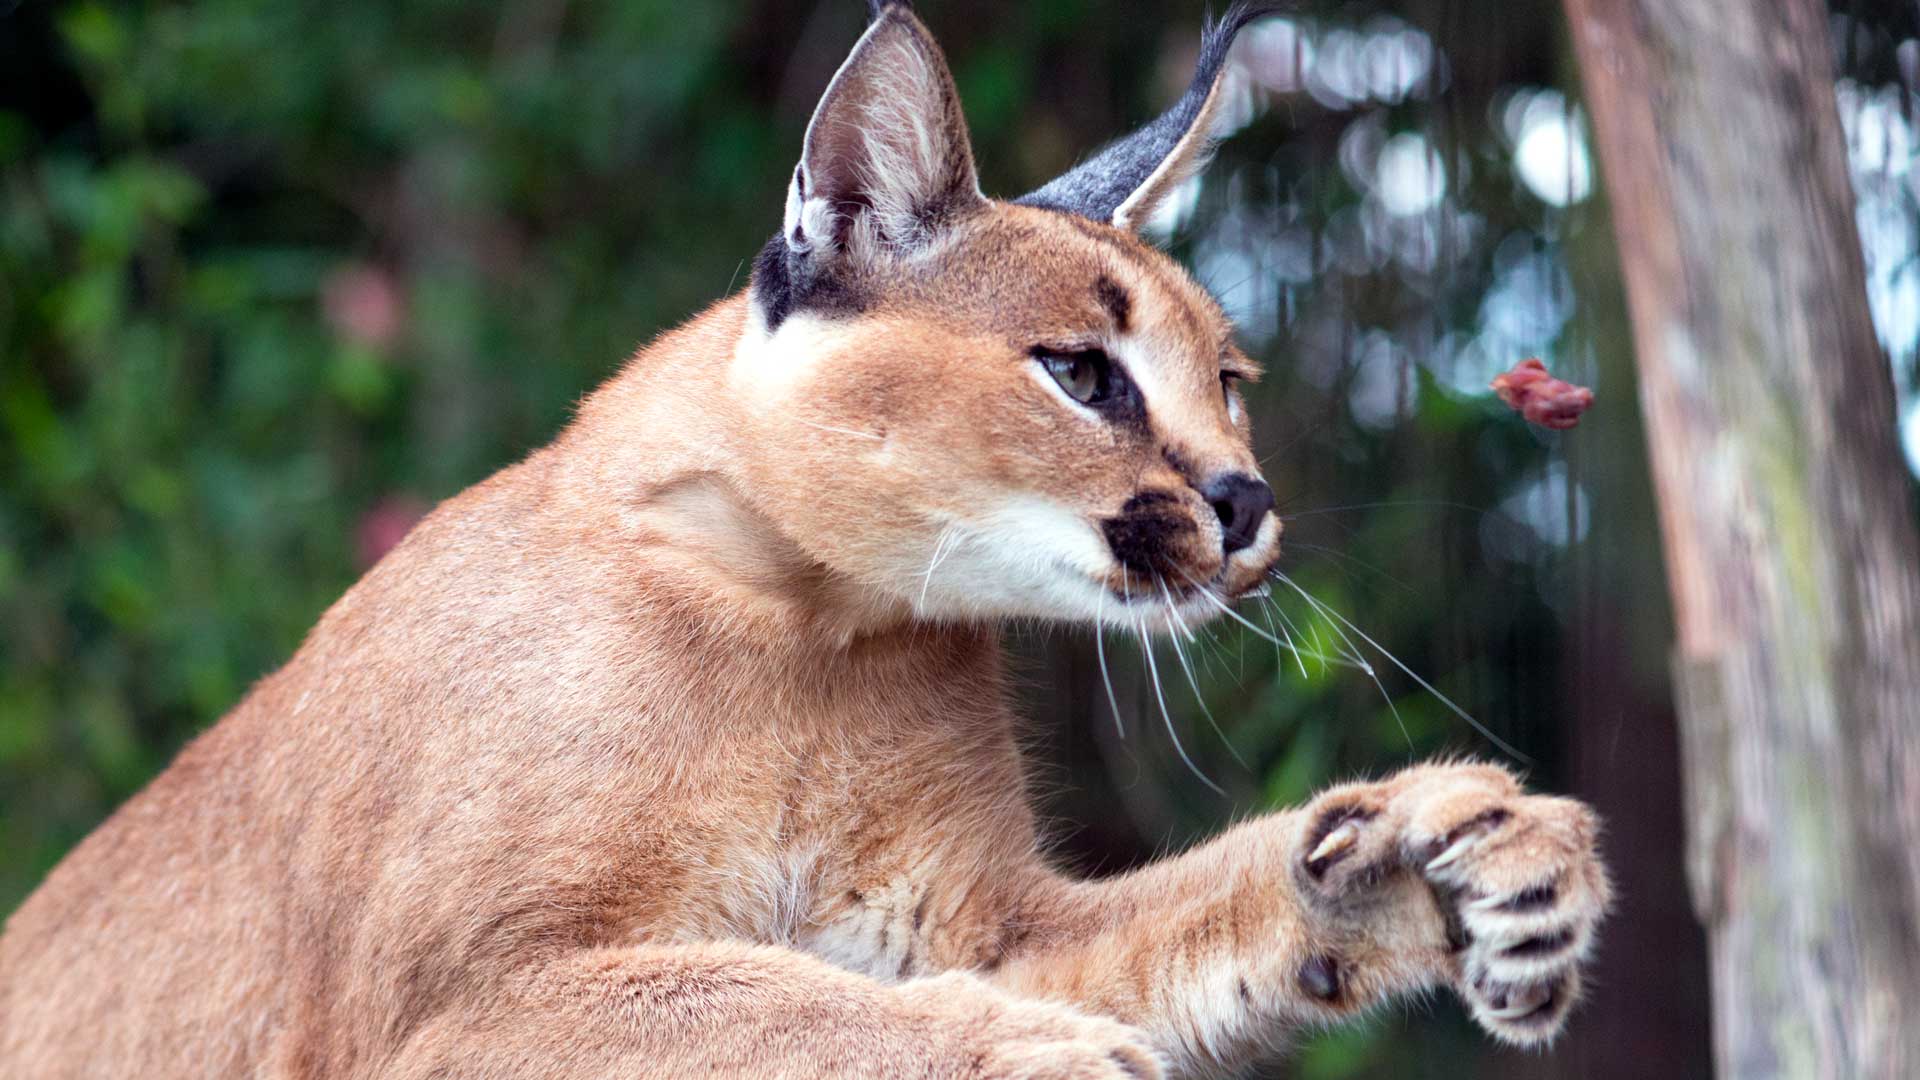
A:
(1126, 181)
(886, 164)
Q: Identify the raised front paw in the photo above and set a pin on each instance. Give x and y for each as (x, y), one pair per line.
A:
(1518, 876)
(1002, 1037)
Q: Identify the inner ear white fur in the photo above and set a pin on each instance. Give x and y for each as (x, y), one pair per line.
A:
(886, 159)
(1188, 159)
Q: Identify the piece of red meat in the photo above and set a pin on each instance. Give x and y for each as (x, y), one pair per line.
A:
(1533, 393)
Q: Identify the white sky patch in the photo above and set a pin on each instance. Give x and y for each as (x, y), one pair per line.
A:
(1881, 150)
(1542, 506)
(1531, 299)
(1378, 390)
(1396, 58)
(1359, 150)
(1549, 140)
(1410, 178)
(1236, 276)
(1385, 61)
(1893, 286)
(1553, 162)
(1523, 314)
(1467, 363)
(1277, 54)
(1879, 139)
(1335, 80)
(1240, 259)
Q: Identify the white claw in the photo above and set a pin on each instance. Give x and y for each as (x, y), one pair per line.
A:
(1446, 858)
(1337, 841)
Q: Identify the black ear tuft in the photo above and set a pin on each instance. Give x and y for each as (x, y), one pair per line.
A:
(1123, 182)
(877, 8)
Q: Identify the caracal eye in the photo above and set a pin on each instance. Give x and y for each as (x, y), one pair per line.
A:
(1085, 376)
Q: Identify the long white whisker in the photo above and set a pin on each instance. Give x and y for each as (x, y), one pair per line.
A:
(1267, 610)
(1153, 670)
(1294, 631)
(1364, 666)
(1230, 613)
(1100, 650)
(1186, 666)
(843, 431)
(1237, 617)
(1409, 672)
(1178, 624)
(1319, 652)
(1210, 649)
(1318, 648)
(940, 552)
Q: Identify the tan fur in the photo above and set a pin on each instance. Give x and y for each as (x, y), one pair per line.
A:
(680, 749)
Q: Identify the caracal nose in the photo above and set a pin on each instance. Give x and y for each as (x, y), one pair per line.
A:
(1242, 503)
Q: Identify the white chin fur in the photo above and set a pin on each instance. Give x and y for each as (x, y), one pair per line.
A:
(1032, 559)
(1026, 559)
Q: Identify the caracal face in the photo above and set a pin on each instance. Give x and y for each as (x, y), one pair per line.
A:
(984, 409)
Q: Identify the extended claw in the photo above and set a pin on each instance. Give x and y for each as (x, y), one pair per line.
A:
(1336, 842)
(1446, 858)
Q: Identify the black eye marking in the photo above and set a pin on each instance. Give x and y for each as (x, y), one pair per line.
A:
(1115, 300)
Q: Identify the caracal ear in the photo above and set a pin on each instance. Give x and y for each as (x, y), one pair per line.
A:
(1124, 183)
(886, 166)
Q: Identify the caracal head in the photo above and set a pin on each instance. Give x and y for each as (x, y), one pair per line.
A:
(987, 409)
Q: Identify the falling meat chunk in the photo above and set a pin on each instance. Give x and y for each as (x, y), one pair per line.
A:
(1533, 393)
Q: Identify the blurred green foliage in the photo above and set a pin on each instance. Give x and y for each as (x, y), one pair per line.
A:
(263, 267)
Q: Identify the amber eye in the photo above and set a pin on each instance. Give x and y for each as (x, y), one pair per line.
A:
(1086, 376)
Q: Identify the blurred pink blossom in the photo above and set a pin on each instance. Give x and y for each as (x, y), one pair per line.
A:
(385, 524)
(362, 303)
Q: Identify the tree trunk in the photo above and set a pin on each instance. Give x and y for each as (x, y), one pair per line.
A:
(1787, 518)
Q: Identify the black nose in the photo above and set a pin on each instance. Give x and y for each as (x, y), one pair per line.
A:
(1242, 502)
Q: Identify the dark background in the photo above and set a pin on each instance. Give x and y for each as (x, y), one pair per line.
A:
(276, 277)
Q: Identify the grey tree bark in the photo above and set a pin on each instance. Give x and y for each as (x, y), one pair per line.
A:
(1787, 519)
